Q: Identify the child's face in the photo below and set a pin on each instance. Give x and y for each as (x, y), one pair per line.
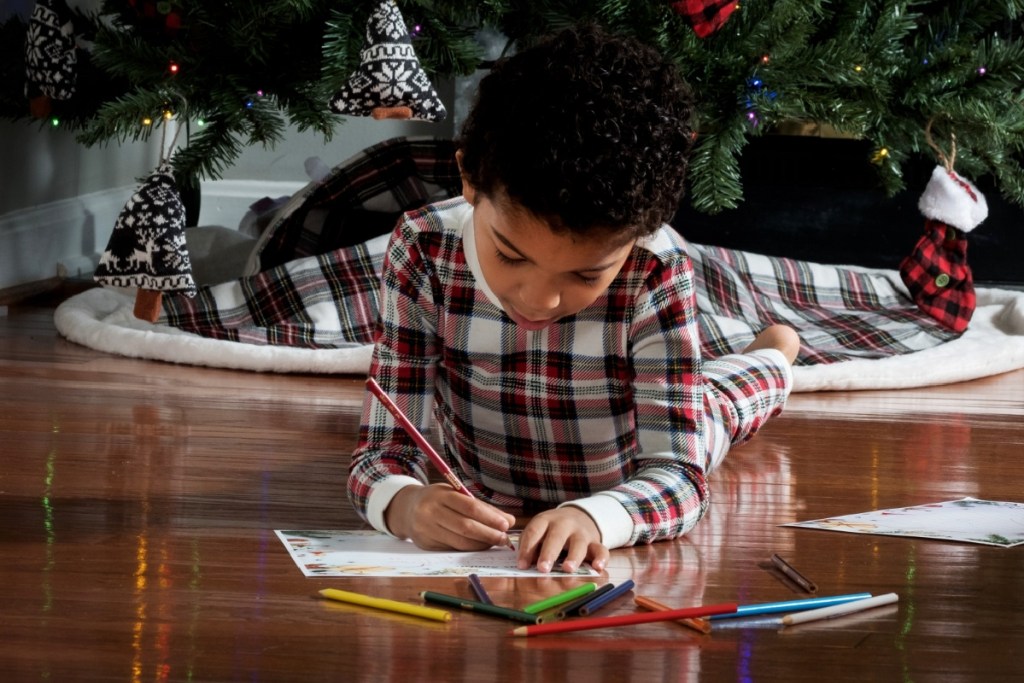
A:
(539, 275)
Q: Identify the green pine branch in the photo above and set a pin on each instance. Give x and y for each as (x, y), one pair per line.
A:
(878, 70)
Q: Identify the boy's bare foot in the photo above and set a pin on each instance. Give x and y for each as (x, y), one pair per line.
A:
(781, 337)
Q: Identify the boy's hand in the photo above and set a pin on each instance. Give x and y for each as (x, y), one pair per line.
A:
(565, 528)
(437, 517)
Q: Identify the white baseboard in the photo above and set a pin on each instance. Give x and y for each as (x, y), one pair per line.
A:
(34, 240)
(65, 238)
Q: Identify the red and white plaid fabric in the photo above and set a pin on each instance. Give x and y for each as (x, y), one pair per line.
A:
(705, 16)
(360, 198)
(938, 277)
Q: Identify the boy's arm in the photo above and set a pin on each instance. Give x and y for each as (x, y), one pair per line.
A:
(668, 492)
(673, 388)
(403, 363)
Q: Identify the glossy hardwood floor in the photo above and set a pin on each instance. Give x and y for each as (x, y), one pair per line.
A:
(138, 502)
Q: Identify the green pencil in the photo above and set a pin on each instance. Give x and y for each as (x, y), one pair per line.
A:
(561, 598)
(482, 607)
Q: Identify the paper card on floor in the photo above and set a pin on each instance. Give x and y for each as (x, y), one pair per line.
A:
(371, 553)
(967, 520)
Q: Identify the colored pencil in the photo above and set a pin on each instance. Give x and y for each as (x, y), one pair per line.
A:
(624, 620)
(795, 576)
(386, 605)
(700, 625)
(560, 599)
(479, 590)
(792, 605)
(602, 600)
(839, 610)
(424, 445)
(481, 607)
(573, 608)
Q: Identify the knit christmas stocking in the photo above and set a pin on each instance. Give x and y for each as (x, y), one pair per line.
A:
(389, 83)
(936, 272)
(50, 56)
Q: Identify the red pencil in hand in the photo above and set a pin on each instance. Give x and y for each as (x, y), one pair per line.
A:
(424, 445)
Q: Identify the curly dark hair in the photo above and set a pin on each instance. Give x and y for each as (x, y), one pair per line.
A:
(588, 130)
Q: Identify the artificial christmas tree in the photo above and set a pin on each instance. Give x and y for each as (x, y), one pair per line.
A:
(870, 70)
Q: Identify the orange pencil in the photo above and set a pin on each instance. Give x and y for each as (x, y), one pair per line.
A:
(625, 620)
(701, 625)
(424, 445)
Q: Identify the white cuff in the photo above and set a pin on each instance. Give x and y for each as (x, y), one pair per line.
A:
(612, 520)
(380, 498)
(951, 199)
(776, 357)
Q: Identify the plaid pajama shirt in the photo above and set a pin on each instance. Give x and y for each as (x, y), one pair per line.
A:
(613, 408)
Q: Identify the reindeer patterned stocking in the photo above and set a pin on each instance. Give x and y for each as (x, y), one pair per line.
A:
(147, 247)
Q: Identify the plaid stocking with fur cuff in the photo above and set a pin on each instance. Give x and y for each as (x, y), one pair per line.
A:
(936, 272)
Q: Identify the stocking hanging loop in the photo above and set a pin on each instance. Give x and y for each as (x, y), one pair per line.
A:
(947, 161)
(165, 151)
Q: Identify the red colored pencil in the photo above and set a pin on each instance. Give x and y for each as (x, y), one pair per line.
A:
(411, 430)
(424, 445)
(625, 620)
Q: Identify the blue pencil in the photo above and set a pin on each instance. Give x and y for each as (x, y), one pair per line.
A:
(792, 605)
(572, 609)
(600, 601)
(478, 589)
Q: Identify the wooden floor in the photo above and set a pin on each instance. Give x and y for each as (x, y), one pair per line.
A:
(138, 502)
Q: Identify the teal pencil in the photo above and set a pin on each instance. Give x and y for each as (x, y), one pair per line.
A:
(792, 605)
(481, 607)
(560, 599)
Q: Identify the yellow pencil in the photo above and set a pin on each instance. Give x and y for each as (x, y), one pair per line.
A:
(387, 605)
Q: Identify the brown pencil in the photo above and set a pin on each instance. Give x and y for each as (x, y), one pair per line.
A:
(793, 575)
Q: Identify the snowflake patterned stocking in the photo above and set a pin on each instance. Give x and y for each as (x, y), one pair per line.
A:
(50, 57)
(389, 83)
(147, 247)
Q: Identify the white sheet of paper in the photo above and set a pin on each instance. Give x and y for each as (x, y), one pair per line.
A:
(968, 520)
(371, 553)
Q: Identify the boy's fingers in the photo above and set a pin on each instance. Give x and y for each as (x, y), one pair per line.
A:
(528, 544)
(476, 522)
(575, 555)
(554, 543)
(599, 555)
